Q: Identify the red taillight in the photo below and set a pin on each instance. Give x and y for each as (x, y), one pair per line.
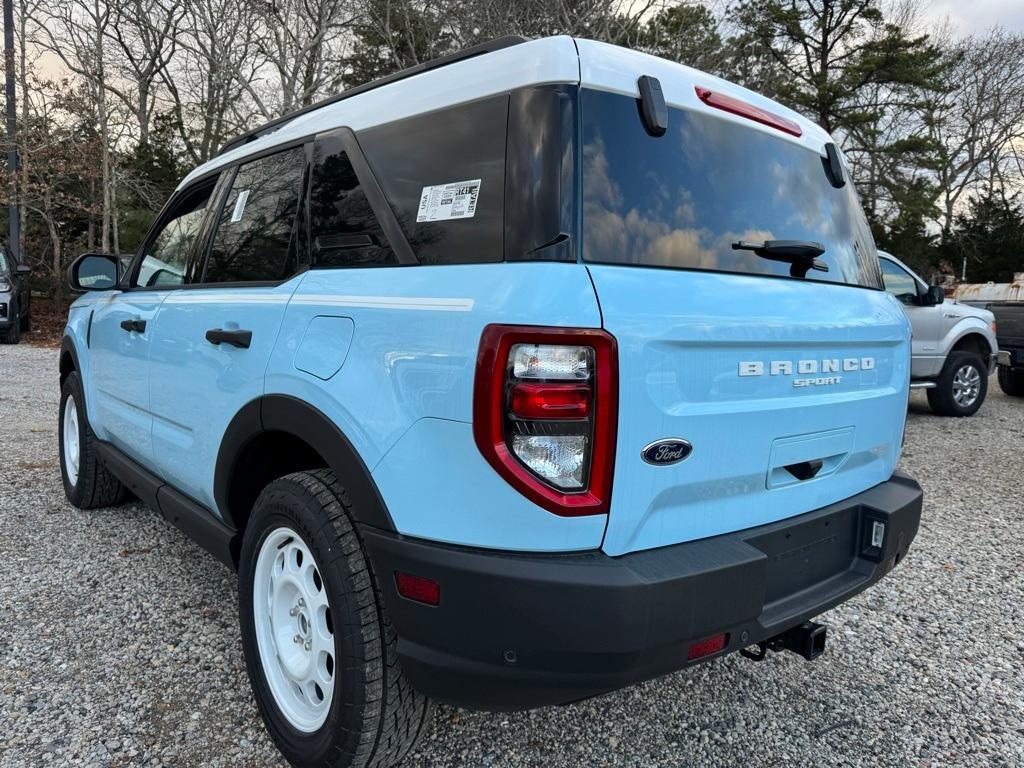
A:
(545, 406)
(549, 401)
(749, 111)
(706, 647)
(418, 588)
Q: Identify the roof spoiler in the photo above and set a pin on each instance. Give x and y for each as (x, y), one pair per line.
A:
(467, 53)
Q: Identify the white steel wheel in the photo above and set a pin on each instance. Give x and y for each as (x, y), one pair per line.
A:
(294, 630)
(70, 438)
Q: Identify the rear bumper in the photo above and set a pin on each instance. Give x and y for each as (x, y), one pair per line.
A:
(515, 631)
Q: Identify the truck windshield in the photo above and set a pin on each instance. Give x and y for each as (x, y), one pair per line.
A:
(681, 200)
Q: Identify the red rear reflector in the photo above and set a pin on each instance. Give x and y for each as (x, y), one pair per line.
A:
(703, 648)
(417, 588)
(749, 111)
(550, 401)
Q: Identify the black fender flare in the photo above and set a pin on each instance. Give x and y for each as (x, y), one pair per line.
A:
(67, 349)
(290, 415)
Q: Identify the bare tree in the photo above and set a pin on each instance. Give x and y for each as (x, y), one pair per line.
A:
(302, 42)
(977, 122)
(215, 69)
(77, 33)
(143, 33)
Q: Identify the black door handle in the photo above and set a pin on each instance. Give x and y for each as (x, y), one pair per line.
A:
(240, 339)
(136, 326)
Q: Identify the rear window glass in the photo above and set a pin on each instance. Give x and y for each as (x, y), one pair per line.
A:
(681, 200)
(459, 153)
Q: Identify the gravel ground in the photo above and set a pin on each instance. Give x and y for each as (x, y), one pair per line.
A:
(119, 643)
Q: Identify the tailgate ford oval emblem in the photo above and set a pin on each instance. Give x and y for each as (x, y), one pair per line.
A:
(668, 451)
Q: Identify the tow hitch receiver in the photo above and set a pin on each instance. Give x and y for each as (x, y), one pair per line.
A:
(807, 640)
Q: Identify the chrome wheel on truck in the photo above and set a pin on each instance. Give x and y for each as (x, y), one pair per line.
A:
(961, 387)
(966, 385)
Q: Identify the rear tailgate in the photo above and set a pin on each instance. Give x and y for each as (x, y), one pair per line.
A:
(685, 338)
(1009, 322)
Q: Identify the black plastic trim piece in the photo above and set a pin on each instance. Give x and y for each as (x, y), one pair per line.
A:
(289, 415)
(653, 109)
(580, 624)
(195, 520)
(132, 475)
(67, 347)
(834, 166)
(468, 53)
(200, 525)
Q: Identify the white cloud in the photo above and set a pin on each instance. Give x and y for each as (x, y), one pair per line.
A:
(977, 16)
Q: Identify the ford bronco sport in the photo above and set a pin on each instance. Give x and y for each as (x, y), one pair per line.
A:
(509, 380)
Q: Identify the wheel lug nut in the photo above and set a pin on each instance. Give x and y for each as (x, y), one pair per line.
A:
(302, 601)
(297, 639)
(293, 612)
(308, 645)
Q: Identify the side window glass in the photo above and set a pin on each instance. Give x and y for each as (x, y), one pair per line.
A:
(898, 282)
(344, 231)
(167, 254)
(256, 237)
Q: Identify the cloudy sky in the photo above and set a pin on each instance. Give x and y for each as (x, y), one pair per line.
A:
(970, 16)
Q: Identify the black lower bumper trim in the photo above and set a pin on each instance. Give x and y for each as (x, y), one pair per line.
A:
(516, 631)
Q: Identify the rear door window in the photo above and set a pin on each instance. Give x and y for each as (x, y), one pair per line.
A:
(681, 200)
(452, 160)
(256, 238)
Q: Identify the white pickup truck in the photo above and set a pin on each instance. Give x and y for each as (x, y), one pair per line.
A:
(954, 346)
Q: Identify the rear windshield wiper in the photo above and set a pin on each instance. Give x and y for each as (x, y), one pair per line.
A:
(802, 255)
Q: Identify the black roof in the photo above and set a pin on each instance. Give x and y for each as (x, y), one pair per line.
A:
(467, 53)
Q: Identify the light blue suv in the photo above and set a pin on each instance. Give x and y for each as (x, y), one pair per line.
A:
(508, 380)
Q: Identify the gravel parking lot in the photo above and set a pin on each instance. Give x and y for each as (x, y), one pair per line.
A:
(119, 642)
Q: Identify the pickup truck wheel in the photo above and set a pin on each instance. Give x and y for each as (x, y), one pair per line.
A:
(320, 651)
(87, 483)
(961, 387)
(1011, 381)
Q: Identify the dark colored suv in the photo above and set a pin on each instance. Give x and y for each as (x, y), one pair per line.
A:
(15, 298)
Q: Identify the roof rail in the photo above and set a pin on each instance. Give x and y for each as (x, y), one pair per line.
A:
(467, 53)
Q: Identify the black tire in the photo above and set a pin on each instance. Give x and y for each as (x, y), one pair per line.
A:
(943, 399)
(95, 486)
(1011, 381)
(375, 717)
(26, 323)
(12, 335)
